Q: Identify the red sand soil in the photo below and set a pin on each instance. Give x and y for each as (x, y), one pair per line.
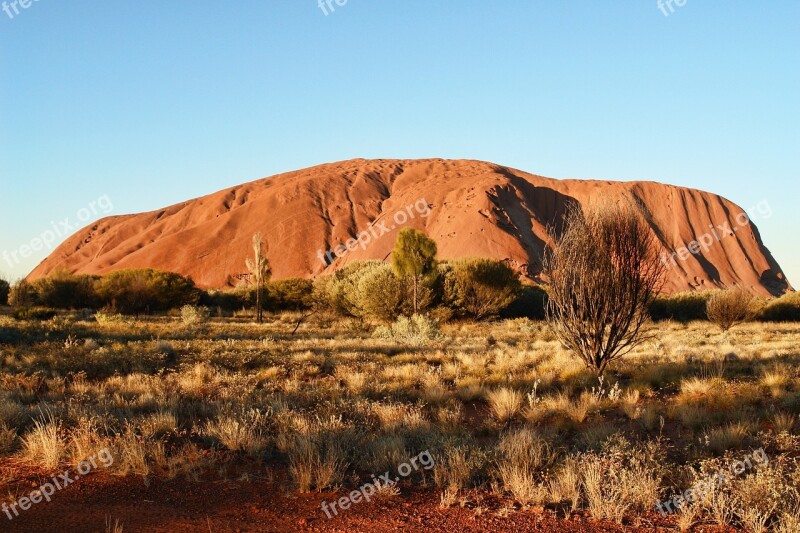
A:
(476, 209)
(237, 506)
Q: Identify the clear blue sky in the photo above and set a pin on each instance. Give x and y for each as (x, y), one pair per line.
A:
(152, 103)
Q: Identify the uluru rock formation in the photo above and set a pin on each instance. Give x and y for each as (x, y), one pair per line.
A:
(471, 208)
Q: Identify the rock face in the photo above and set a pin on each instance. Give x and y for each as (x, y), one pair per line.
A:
(471, 208)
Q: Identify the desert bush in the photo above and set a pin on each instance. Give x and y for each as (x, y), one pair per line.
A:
(21, 294)
(683, 306)
(783, 309)
(480, 287)
(136, 291)
(5, 288)
(34, 313)
(530, 302)
(227, 300)
(108, 316)
(505, 403)
(64, 290)
(417, 330)
(292, 294)
(192, 314)
(339, 289)
(604, 272)
(522, 457)
(622, 478)
(243, 432)
(317, 459)
(8, 438)
(730, 307)
(379, 293)
(455, 467)
(44, 443)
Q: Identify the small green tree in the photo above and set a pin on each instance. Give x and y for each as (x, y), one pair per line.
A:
(258, 265)
(414, 260)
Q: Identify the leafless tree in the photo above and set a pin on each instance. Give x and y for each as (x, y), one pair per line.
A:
(604, 272)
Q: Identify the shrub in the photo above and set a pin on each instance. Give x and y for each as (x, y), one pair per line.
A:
(530, 302)
(293, 294)
(64, 290)
(379, 293)
(339, 289)
(683, 306)
(5, 288)
(480, 287)
(622, 478)
(505, 403)
(784, 309)
(109, 317)
(730, 307)
(604, 272)
(522, 458)
(22, 294)
(228, 300)
(192, 314)
(44, 444)
(241, 432)
(136, 291)
(34, 313)
(416, 330)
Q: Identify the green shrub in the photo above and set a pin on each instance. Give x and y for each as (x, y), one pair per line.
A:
(5, 288)
(783, 309)
(137, 291)
(292, 294)
(339, 289)
(64, 290)
(480, 287)
(22, 294)
(34, 313)
(417, 330)
(379, 293)
(683, 306)
(531, 302)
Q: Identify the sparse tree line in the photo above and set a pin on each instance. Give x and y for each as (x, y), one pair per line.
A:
(416, 282)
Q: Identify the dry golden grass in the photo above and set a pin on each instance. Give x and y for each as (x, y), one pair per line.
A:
(517, 415)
